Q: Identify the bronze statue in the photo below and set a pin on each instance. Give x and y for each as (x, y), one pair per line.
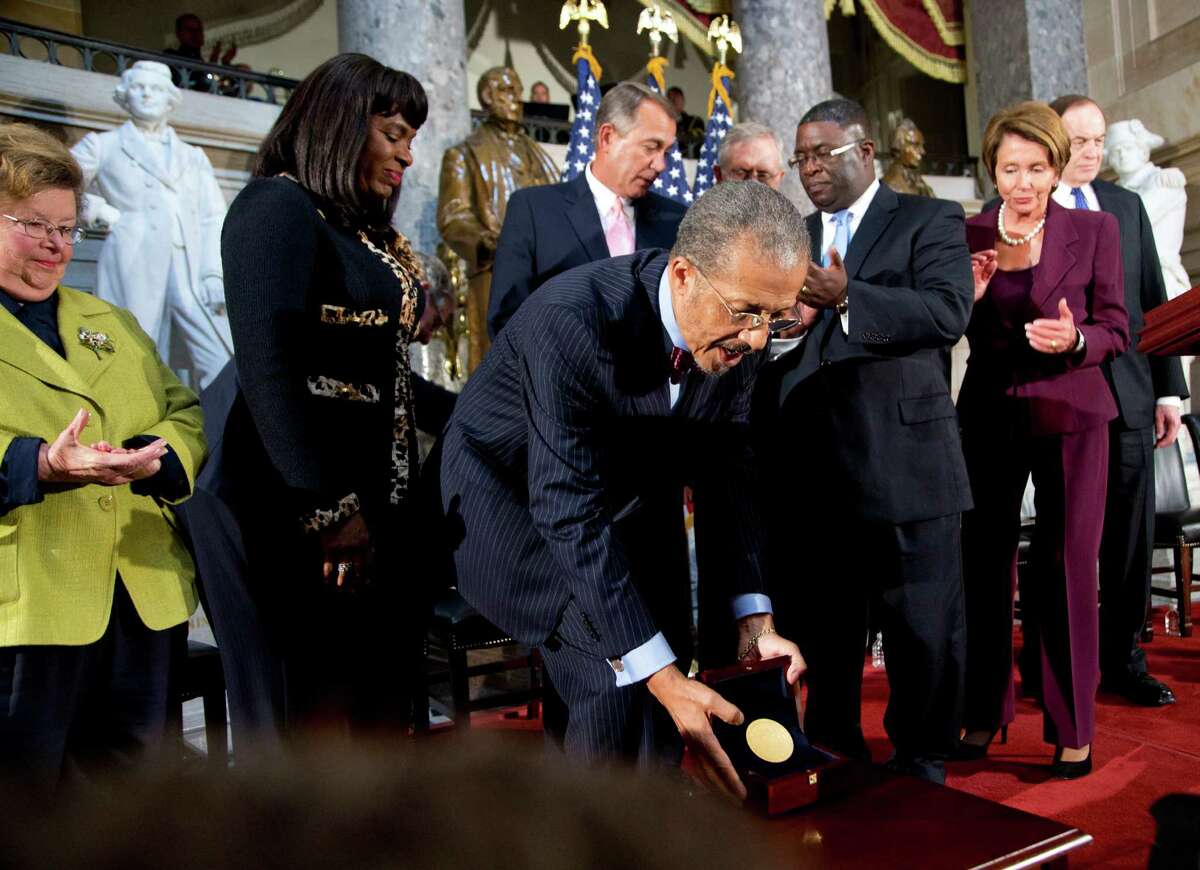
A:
(478, 176)
(908, 149)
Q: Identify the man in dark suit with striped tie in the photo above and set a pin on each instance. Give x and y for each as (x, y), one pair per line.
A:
(607, 210)
(1148, 391)
(613, 387)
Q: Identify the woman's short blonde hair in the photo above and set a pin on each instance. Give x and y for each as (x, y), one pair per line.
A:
(31, 161)
(1031, 120)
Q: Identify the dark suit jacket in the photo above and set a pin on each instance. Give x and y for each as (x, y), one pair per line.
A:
(1080, 262)
(879, 417)
(556, 227)
(1136, 379)
(564, 464)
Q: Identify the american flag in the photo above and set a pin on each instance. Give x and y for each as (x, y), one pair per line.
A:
(581, 149)
(719, 123)
(672, 181)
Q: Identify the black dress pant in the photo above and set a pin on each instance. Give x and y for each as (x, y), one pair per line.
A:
(909, 578)
(346, 656)
(75, 711)
(605, 723)
(1126, 550)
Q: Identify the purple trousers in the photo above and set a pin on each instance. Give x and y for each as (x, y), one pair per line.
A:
(1070, 478)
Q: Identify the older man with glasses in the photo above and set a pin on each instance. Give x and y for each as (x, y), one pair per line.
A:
(614, 386)
(751, 152)
(861, 414)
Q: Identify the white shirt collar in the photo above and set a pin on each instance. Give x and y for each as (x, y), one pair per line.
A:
(666, 310)
(857, 209)
(605, 197)
(600, 192)
(1063, 196)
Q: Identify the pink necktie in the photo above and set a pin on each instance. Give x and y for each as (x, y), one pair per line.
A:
(619, 234)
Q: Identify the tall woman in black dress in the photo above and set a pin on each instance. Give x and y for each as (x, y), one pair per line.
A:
(324, 298)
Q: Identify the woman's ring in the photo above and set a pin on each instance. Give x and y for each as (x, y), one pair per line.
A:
(1054, 345)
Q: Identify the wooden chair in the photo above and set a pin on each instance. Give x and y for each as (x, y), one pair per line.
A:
(457, 628)
(1177, 523)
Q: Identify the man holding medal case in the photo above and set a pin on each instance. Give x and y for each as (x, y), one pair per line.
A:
(613, 387)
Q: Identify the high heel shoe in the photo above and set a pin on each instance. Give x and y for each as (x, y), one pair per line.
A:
(976, 751)
(1070, 769)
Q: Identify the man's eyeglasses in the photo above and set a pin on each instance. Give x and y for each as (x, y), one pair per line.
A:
(759, 175)
(821, 156)
(748, 320)
(40, 229)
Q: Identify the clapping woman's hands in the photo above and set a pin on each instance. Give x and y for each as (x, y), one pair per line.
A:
(1053, 334)
(68, 461)
(983, 267)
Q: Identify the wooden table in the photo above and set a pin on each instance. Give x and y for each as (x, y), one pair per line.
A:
(899, 821)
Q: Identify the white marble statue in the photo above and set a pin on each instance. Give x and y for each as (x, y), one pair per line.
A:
(159, 199)
(1127, 149)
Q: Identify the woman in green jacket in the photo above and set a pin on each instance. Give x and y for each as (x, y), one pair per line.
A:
(97, 440)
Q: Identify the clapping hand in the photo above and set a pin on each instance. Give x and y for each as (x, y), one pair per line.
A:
(1053, 335)
(825, 288)
(68, 461)
(983, 267)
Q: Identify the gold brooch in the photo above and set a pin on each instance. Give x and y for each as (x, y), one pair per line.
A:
(96, 341)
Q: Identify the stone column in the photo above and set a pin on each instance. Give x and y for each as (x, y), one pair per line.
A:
(426, 38)
(783, 69)
(1026, 50)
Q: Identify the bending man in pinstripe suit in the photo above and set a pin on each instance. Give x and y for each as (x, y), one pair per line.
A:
(565, 459)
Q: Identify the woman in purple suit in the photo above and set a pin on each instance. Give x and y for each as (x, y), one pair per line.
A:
(1048, 312)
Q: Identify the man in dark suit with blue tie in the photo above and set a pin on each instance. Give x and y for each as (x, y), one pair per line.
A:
(861, 413)
(1148, 391)
(566, 456)
(607, 210)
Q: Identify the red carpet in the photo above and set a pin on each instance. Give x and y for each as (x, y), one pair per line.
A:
(1141, 754)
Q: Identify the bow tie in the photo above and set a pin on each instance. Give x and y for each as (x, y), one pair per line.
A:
(681, 363)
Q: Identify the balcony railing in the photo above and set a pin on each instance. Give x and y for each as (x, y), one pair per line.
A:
(97, 55)
(541, 129)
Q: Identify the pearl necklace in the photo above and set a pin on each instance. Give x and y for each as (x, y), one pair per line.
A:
(1025, 239)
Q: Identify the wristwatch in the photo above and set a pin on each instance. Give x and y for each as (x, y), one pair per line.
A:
(843, 306)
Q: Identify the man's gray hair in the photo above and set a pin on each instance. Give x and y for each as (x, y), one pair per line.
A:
(745, 132)
(728, 215)
(620, 106)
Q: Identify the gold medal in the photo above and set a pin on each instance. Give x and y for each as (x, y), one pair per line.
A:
(769, 740)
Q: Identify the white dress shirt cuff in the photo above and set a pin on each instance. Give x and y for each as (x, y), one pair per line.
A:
(643, 662)
(1171, 402)
(845, 318)
(750, 604)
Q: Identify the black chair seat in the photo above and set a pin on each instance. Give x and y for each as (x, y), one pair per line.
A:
(459, 628)
(1176, 524)
(463, 625)
(1170, 528)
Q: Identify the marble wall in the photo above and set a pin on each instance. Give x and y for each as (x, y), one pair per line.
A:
(1026, 49)
(427, 40)
(784, 70)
